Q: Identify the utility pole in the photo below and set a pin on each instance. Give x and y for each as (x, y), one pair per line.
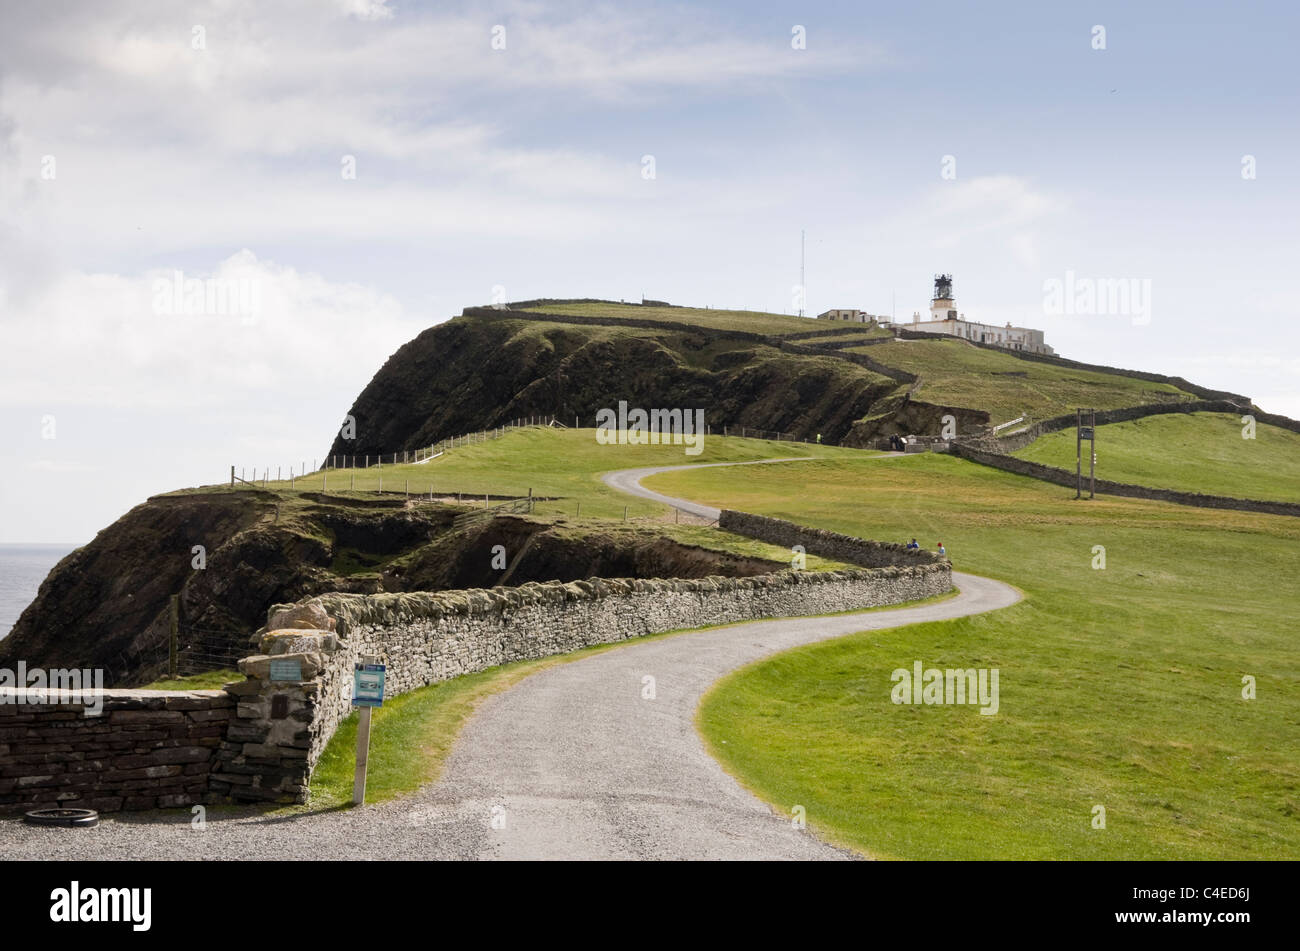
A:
(1078, 453)
(803, 285)
(1088, 432)
(1092, 442)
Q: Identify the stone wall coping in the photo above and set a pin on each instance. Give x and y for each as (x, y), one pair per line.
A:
(359, 609)
(10, 694)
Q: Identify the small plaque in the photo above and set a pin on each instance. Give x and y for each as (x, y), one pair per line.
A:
(286, 668)
(1085, 432)
(368, 685)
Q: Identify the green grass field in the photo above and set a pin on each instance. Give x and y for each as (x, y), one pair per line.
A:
(957, 373)
(1197, 452)
(1120, 687)
(753, 321)
(565, 464)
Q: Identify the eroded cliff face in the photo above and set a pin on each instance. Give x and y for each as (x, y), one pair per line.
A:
(107, 605)
(471, 374)
(101, 605)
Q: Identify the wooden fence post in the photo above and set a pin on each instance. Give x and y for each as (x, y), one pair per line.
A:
(173, 623)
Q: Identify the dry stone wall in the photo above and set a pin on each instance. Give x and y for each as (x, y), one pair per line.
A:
(833, 545)
(144, 749)
(260, 739)
(1106, 487)
(1021, 439)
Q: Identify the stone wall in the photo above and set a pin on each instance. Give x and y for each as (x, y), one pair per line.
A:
(260, 739)
(1106, 487)
(428, 637)
(1176, 381)
(145, 749)
(833, 545)
(1021, 439)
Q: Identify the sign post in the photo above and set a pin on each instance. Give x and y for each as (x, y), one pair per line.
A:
(367, 693)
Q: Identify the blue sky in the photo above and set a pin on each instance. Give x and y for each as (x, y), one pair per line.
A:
(522, 168)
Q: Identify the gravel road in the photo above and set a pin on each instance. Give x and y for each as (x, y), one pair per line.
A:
(574, 762)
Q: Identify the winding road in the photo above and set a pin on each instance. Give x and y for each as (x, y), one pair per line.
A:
(572, 762)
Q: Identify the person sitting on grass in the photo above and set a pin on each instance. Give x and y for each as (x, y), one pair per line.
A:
(913, 544)
(943, 551)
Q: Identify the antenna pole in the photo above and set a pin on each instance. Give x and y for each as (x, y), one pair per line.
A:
(803, 287)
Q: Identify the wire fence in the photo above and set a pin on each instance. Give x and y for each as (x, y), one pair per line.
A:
(191, 650)
(379, 459)
(261, 477)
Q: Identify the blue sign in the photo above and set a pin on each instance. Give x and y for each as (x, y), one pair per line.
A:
(368, 685)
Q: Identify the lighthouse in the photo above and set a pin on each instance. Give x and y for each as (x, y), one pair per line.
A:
(942, 306)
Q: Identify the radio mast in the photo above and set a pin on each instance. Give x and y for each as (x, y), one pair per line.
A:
(803, 287)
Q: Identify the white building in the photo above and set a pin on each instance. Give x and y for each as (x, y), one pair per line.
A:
(855, 316)
(944, 319)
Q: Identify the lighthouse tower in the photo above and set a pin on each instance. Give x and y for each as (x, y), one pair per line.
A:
(942, 306)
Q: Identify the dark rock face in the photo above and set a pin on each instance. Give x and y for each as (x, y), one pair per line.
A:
(106, 602)
(471, 374)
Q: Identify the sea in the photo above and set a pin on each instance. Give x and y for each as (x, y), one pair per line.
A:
(22, 569)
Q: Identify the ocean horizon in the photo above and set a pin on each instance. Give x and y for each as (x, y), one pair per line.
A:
(23, 566)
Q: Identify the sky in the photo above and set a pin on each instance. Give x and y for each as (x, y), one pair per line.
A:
(347, 173)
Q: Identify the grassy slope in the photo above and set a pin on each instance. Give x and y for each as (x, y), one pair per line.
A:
(561, 463)
(1119, 687)
(555, 462)
(956, 373)
(1200, 452)
(750, 320)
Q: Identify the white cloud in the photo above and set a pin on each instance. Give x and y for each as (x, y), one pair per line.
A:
(998, 207)
(100, 339)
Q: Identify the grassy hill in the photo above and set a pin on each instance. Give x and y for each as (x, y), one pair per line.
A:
(1005, 386)
(749, 320)
(561, 463)
(1119, 687)
(744, 368)
(1192, 452)
(477, 372)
